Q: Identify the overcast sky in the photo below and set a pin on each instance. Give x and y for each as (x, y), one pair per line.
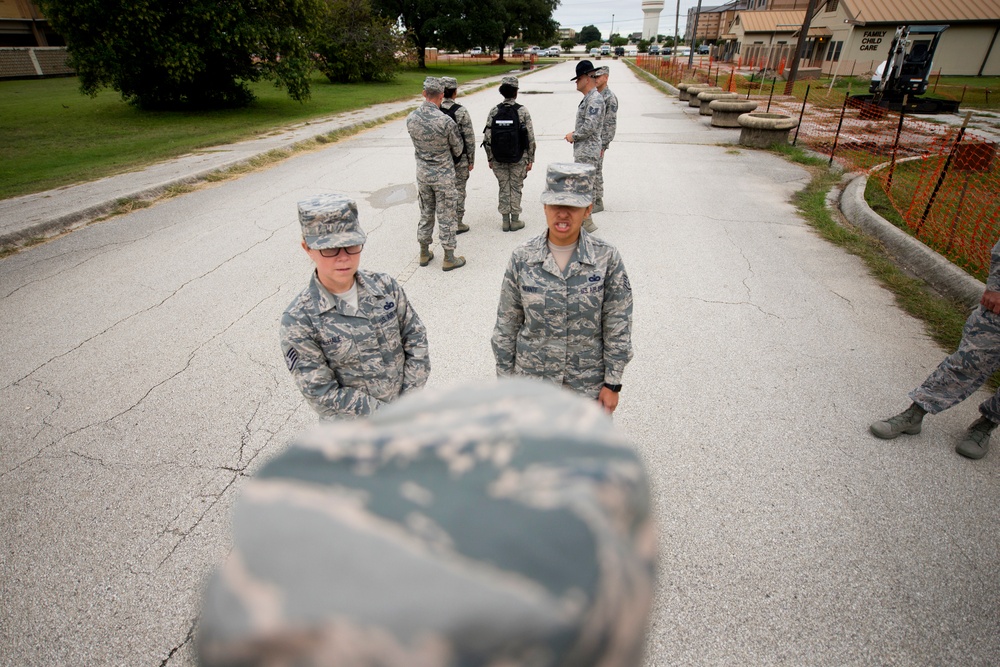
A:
(628, 15)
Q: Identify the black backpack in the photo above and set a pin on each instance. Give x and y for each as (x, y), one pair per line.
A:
(452, 112)
(508, 140)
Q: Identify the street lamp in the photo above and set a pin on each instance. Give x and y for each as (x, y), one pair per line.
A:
(612, 27)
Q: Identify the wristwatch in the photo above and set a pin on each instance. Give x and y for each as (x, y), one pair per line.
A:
(613, 387)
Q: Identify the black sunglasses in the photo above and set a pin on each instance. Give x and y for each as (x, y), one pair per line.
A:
(333, 252)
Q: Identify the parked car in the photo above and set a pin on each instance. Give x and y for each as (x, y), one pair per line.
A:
(554, 51)
(654, 49)
(704, 49)
(477, 51)
(632, 51)
(666, 50)
(595, 51)
(619, 51)
(605, 49)
(534, 50)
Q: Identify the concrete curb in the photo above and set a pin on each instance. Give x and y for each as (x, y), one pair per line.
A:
(908, 251)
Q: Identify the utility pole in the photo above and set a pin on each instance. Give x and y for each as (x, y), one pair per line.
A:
(694, 36)
(677, 22)
(612, 27)
(800, 47)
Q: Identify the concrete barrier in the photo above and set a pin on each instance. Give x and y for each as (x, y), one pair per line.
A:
(694, 91)
(763, 130)
(707, 97)
(726, 113)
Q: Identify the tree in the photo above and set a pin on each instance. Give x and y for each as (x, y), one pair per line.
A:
(618, 40)
(643, 46)
(497, 21)
(165, 54)
(593, 45)
(421, 18)
(567, 44)
(588, 33)
(353, 43)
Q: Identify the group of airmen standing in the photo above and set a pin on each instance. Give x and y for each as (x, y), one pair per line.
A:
(353, 342)
(444, 143)
(490, 524)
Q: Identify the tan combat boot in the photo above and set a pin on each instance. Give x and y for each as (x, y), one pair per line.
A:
(515, 223)
(450, 261)
(506, 223)
(461, 228)
(425, 254)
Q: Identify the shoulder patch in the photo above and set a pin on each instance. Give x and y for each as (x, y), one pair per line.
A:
(291, 358)
(628, 285)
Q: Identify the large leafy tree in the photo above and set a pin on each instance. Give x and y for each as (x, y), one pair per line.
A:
(588, 33)
(498, 21)
(353, 43)
(421, 19)
(180, 54)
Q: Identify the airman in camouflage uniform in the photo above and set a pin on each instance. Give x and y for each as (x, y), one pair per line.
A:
(351, 340)
(510, 175)
(608, 130)
(565, 311)
(435, 143)
(586, 137)
(467, 161)
(959, 375)
(506, 524)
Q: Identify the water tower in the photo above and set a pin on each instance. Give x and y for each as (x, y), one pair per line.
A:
(651, 23)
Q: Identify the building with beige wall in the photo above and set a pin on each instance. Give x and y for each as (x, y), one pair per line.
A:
(851, 37)
(23, 24)
(713, 22)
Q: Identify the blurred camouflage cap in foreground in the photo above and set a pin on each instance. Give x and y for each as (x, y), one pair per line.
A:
(499, 524)
(600, 71)
(433, 85)
(569, 184)
(509, 81)
(449, 82)
(330, 221)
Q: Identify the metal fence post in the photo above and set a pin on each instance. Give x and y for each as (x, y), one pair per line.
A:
(840, 124)
(944, 173)
(801, 113)
(895, 145)
(774, 82)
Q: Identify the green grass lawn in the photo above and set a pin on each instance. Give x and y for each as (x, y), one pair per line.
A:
(54, 136)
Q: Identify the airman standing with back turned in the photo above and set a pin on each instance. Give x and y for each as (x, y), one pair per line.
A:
(436, 143)
(509, 140)
(586, 136)
(467, 160)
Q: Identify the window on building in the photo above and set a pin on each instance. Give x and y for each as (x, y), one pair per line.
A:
(833, 53)
(831, 5)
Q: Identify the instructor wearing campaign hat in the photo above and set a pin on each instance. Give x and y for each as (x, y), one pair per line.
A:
(351, 339)
(586, 136)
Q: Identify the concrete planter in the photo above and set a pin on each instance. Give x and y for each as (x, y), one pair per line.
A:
(694, 91)
(682, 87)
(726, 113)
(707, 98)
(763, 130)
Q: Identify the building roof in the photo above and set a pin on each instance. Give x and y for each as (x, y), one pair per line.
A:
(736, 4)
(770, 21)
(921, 11)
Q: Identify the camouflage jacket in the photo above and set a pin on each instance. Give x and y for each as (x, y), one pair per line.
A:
(349, 362)
(993, 280)
(573, 329)
(610, 126)
(466, 133)
(435, 140)
(589, 121)
(524, 117)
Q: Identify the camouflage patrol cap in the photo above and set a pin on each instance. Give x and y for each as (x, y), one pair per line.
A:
(600, 71)
(433, 85)
(569, 184)
(496, 524)
(449, 82)
(330, 221)
(509, 81)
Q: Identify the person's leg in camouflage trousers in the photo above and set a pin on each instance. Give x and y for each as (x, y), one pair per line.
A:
(594, 160)
(461, 183)
(446, 197)
(510, 178)
(599, 186)
(425, 227)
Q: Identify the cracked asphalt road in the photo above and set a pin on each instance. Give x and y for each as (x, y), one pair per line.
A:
(141, 383)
